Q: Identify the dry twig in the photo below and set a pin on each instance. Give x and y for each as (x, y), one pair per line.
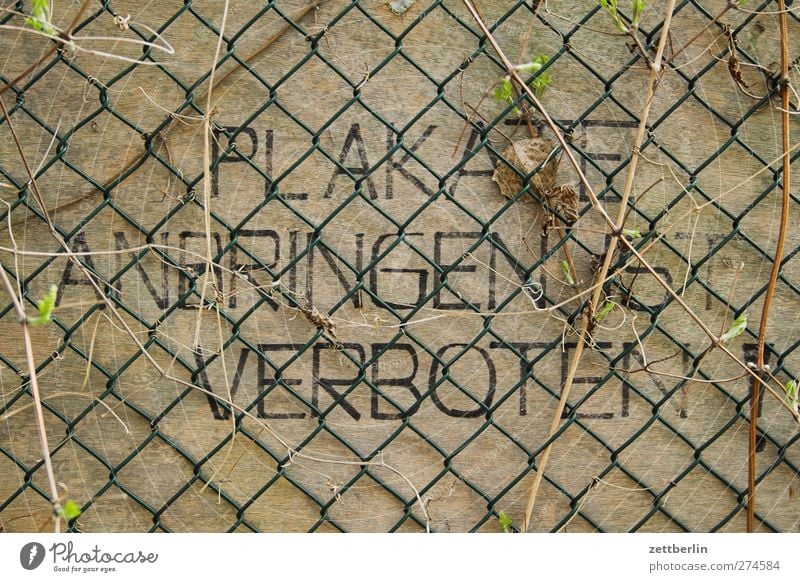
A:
(776, 268)
(37, 399)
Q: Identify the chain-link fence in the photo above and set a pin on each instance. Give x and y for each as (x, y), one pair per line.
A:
(393, 333)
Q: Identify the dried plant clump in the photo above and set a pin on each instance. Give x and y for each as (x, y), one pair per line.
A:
(526, 155)
(564, 200)
(322, 322)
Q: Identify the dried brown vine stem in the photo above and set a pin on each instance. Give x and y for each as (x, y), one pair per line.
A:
(534, 8)
(715, 20)
(588, 319)
(37, 400)
(735, 67)
(776, 267)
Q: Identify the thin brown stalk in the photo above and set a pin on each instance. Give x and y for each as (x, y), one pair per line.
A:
(692, 40)
(655, 73)
(776, 268)
(527, 35)
(37, 400)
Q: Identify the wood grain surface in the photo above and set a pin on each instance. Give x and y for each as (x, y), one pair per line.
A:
(319, 118)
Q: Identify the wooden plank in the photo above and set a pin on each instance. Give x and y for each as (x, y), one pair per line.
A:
(359, 160)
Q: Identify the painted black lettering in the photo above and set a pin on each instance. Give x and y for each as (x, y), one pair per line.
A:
(269, 150)
(340, 276)
(308, 252)
(594, 156)
(353, 136)
(636, 355)
(521, 349)
(196, 269)
(403, 381)
(421, 275)
(434, 382)
(327, 384)
(268, 382)
(712, 240)
(501, 247)
(246, 269)
(565, 358)
(400, 167)
(78, 245)
(233, 156)
(162, 300)
(438, 237)
(219, 409)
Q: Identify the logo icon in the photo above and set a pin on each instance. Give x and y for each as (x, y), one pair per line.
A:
(31, 555)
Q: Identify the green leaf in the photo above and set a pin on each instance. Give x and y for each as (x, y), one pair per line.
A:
(541, 80)
(610, 6)
(737, 327)
(637, 9)
(567, 273)
(503, 92)
(45, 307)
(531, 67)
(70, 510)
(791, 393)
(632, 232)
(505, 522)
(40, 17)
(606, 309)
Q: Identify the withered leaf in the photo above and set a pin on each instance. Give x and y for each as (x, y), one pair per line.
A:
(526, 155)
(564, 200)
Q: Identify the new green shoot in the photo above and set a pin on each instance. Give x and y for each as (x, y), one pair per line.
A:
(737, 327)
(70, 510)
(45, 307)
(505, 522)
(541, 79)
(610, 6)
(791, 395)
(567, 274)
(41, 16)
(504, 90)
(604, 311)
(637, 10)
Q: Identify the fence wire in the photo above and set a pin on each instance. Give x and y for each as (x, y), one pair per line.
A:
(193, 105)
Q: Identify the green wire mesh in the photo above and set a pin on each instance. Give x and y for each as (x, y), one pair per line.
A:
(399, 148)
